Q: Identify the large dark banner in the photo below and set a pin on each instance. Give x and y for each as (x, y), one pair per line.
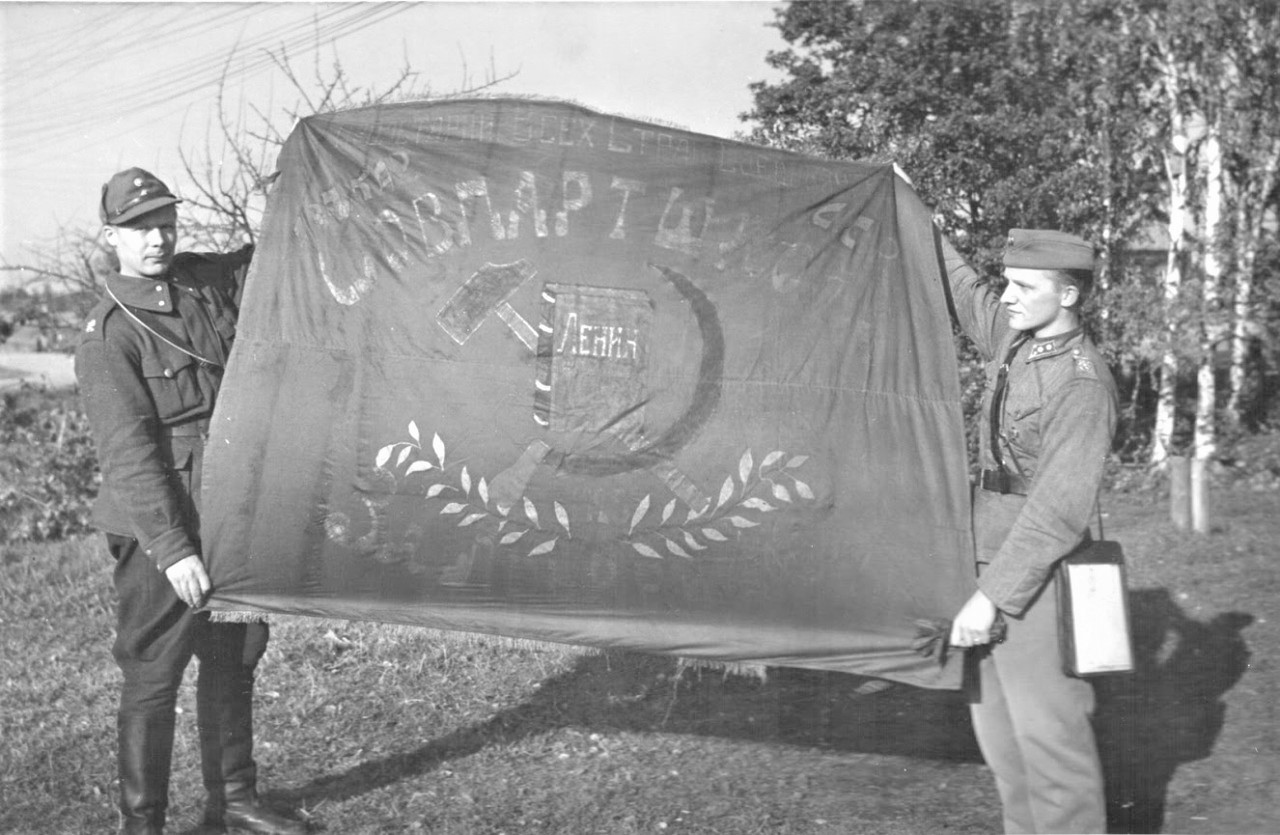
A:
(517, 367)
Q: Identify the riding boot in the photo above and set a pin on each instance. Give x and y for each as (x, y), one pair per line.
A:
(224, 705)
(143, 758)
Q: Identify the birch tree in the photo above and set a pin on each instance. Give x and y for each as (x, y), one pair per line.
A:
(1186, 129)
(1251, 126)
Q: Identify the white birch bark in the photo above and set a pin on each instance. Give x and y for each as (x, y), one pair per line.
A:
(1183, 135)
(1249, 220)
(1205, 438)
(1179, 211)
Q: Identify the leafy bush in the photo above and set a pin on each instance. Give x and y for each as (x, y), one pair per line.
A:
(48, 466)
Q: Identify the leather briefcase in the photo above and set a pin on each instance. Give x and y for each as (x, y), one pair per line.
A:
(1093, 611)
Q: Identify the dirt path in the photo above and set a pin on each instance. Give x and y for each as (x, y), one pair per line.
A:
(48, 369)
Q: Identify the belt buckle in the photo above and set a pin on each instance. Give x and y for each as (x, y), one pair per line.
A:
(995, 481)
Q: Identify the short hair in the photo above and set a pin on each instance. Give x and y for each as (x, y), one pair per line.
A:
(1081, 279)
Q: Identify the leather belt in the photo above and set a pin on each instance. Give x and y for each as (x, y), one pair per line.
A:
(1005, 482)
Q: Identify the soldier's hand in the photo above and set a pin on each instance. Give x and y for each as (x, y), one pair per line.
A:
(972, 625)
(189, 580)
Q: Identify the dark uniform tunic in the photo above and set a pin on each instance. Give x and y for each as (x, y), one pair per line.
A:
(149, 403)
(1057, 420)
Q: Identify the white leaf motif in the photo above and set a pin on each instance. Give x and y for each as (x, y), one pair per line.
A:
(726, 492)
(668, 510)
(742, 522)
(483, 489)
(531, 512)
(645, 551)
(471, 519)
(781, 493)
(452, 507)
(714, 535)
(507, 539)
(693, 543)
(803, 489)
(545, 547)
(404, 453)
(562, 516)
(744, 466)
(418, 467)
(384, 455)
(757, 504)
(438, 446)
(641, 510)
(676, 549)
(797, 461)
(413, 432)
(436, 489)
(465, 478)
(771, 459)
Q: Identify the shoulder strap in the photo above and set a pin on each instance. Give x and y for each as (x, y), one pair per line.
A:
(171, 340)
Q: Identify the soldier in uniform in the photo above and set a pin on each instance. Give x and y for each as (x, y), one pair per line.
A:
(149, 365)
(1048, 419)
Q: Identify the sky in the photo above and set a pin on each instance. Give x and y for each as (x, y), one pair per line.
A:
(87, 89)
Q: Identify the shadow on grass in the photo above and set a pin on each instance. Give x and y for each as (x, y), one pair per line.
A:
(1168, 712)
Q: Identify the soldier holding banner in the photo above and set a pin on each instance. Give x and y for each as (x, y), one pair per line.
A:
(149, 365)
(1048, 419)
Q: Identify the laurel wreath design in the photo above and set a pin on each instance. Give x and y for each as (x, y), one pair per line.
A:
(472, 503)
(757, 490)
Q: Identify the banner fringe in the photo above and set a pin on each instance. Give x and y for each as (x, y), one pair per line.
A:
(747, 669)
(219, 616)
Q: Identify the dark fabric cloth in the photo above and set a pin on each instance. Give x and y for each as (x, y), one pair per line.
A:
(517, 367)
(149, 403)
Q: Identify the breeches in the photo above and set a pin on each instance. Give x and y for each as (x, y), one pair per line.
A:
(1033, 726)
(156, 635)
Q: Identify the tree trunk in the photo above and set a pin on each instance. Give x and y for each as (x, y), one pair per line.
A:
(1248, 232)
(1240, 319)
(1179, 210)
(1205, 440)
(1181, 138)
(1179, 492)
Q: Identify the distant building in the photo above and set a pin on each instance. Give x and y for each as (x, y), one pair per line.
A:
(1147, 252)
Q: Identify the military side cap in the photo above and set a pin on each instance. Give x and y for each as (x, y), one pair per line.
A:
(1045, 249)
(131, 194)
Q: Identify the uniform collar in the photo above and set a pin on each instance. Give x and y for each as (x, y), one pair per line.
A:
(1052, 346)
(154, 294)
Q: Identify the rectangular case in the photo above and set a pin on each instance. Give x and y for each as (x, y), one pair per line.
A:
(1093, 608)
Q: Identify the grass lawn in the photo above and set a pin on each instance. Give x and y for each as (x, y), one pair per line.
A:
(370, 728)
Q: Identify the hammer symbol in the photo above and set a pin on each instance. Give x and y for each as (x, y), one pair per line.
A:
(487, 291)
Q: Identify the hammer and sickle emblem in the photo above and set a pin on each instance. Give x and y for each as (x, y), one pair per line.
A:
(488, 292)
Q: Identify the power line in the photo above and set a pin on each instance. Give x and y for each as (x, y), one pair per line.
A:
(37, 129)
(173, 80)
